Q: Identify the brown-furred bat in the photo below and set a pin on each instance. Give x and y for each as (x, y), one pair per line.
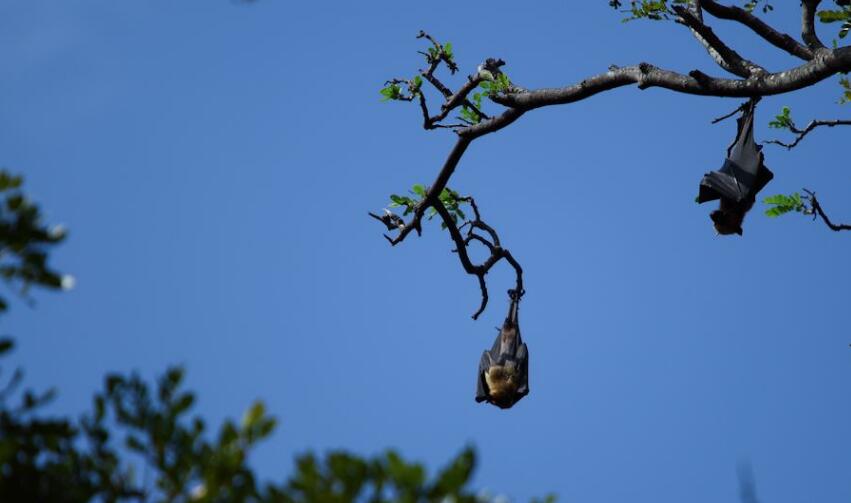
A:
(503, 377)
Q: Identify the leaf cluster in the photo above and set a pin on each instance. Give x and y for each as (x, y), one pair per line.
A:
(393, 89)
(450, 200)
(654, 10)
(660, 10)
(343, 477)
(751, 5)
(25, 241)
(784, 204)
(133, 424)
(846, 94)
(500, 83)
(66, 460)
(841, 15)
(783, 120)
(441, 52)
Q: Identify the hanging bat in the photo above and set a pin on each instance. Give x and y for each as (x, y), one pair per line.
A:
(737, 183)
(504, 370)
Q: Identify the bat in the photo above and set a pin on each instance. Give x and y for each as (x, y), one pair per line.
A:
(739, 180)
(504, 370)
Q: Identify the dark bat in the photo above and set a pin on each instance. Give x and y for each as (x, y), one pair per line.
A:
(504, 370)
(737, 183)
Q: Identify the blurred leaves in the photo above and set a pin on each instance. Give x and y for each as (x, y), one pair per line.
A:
(654, 10)
(846, 94)
(25, 241)
(751, 5)
(133, 423)
(841, 15)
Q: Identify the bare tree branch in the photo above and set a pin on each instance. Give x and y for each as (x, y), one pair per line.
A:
(497, 252)
(772, 36)
(723, 55)
(727, 116)
(816, 209)
(646, 75)
(801, 133)
(808, 27)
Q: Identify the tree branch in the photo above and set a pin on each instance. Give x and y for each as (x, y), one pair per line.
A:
(776, 38)
(755, 83)
(497, 252)
(433, 192)
(647, 75)
(808, 26)
(801, 133)
(723, 55)
(815, 209)
(727, 116)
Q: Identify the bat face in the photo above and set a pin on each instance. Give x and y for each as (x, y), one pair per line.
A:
(730, 215)
(727, 222)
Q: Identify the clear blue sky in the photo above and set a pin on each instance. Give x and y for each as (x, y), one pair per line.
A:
(215, 164)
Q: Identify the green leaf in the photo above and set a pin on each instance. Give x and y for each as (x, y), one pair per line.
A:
(833, 16)
(783, 120)
(783, 204)
(253, 415)
(391, 92)
(419, 190)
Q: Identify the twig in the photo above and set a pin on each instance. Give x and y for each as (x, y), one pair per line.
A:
(804, 132)
(816, 209)
(727, 116)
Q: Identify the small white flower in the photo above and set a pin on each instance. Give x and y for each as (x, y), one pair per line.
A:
(198, 492)
(68, 282)
(57, 232)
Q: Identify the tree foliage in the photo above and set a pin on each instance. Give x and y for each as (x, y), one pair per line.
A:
(25, 241)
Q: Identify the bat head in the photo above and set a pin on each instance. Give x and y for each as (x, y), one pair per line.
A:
(727, 222)
(503, 383)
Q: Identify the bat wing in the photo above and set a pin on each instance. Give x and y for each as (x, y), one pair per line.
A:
(763, 176)
(743, 173)
(523, 360)
(482, 386)
(497, 345)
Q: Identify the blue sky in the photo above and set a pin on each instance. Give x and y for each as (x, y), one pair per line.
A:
(215, 164)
